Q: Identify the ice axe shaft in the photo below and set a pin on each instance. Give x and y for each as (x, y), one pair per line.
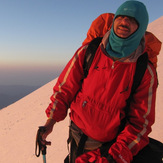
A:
(44, 158)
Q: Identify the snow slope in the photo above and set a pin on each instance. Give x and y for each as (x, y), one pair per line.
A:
(19, 121)
(156, 28)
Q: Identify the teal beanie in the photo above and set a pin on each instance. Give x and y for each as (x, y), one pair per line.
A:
(123, 47)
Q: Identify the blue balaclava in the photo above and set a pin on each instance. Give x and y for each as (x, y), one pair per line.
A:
(123, 47)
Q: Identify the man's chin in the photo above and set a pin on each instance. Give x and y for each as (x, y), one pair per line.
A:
(122, 35)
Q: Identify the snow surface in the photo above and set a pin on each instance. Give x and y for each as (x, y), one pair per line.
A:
(19, 122)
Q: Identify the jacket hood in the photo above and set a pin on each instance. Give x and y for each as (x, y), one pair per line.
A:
(122, 47)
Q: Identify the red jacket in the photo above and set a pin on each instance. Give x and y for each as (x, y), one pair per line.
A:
(97, 103)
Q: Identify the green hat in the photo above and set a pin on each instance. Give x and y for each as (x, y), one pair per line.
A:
(122, 47)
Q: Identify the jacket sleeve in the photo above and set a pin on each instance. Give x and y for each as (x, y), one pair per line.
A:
(141, 117)
(68, 84)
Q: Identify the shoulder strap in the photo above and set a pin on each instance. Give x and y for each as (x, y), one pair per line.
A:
(90, 53)
(141, 67)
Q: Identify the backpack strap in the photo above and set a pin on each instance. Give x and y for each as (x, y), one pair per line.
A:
(80, 148)
(141, 67)
(90, 53)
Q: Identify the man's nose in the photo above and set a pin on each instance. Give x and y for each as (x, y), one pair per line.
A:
(125, 20)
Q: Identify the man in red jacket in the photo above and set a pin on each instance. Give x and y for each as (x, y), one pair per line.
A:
(97, 102)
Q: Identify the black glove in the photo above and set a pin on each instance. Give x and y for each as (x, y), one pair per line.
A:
(104, 151)
(110, 159)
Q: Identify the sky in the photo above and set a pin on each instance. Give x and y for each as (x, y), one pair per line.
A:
(38, 37)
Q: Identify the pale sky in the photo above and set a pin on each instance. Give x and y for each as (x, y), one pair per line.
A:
(38, 37)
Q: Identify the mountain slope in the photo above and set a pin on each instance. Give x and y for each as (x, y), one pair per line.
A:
(19, 122)
(18, 126)
(156, 28)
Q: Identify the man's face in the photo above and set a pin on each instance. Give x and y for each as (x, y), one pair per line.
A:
(125, 26)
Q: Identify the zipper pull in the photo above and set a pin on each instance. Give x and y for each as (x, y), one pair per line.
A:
(84, 104)
(113, 65)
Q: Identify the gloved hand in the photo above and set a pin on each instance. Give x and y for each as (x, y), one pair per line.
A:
(48, 129)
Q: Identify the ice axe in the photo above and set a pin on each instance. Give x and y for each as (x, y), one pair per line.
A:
(39, 146)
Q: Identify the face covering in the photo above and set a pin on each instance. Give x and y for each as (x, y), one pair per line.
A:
(122, 47)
